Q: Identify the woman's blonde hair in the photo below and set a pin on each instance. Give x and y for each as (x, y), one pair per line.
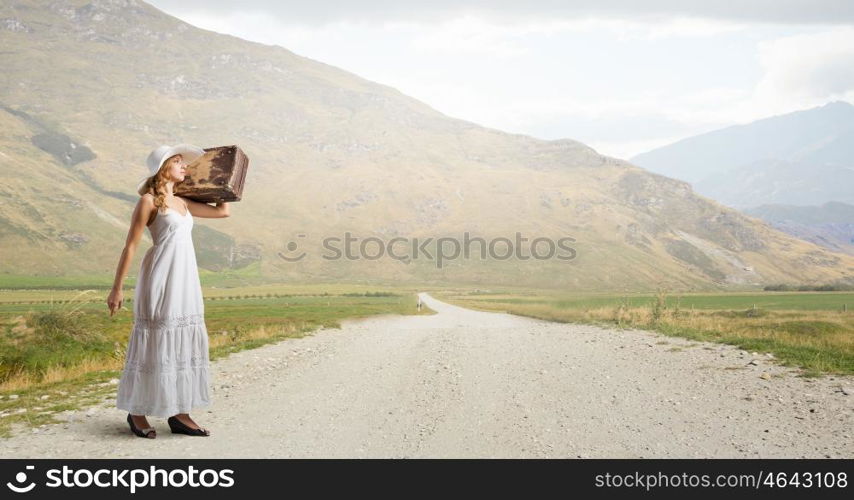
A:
(156, 185)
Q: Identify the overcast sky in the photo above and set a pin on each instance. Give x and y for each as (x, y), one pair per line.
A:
(621, 76)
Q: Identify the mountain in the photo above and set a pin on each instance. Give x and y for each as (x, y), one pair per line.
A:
(794, 171)
(780, 181)
(90, 87)
(830, 225)
(819, 137)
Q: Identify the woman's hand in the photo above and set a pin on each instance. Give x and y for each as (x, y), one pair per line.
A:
(115, 299)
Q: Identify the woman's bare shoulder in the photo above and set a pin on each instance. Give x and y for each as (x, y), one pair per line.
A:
(146, 200)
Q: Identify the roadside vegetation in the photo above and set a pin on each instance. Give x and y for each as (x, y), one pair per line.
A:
(61, 350)
(812, 330)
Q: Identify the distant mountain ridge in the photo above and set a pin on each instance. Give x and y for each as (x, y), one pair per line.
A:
(817, 136)
(830, 225)
(775, 181)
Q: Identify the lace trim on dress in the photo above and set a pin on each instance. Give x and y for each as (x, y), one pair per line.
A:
(194, 363)
(170, 321)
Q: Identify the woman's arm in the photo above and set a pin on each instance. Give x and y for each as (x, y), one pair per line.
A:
(206, 211)
(141, 214)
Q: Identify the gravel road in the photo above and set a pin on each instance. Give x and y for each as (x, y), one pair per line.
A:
(465, 383)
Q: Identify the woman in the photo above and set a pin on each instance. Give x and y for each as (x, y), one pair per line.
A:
(166, 366)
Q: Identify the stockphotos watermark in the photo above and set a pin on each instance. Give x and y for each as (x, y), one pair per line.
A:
(131, 479)
(441, 250)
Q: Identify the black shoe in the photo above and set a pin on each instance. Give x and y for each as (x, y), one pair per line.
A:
(179, 427)
(143, 433)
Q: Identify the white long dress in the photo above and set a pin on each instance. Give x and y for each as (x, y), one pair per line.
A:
(167, 364)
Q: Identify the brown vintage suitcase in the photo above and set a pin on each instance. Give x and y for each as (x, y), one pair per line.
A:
(218, 175)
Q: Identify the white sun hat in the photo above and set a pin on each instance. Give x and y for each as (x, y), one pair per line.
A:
(162, 153)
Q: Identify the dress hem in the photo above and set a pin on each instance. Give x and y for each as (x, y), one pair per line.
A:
(168, 412)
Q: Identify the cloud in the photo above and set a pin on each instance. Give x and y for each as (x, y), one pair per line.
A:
(809, 66)
(502, 11)
(470, 35)
(477, 35)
